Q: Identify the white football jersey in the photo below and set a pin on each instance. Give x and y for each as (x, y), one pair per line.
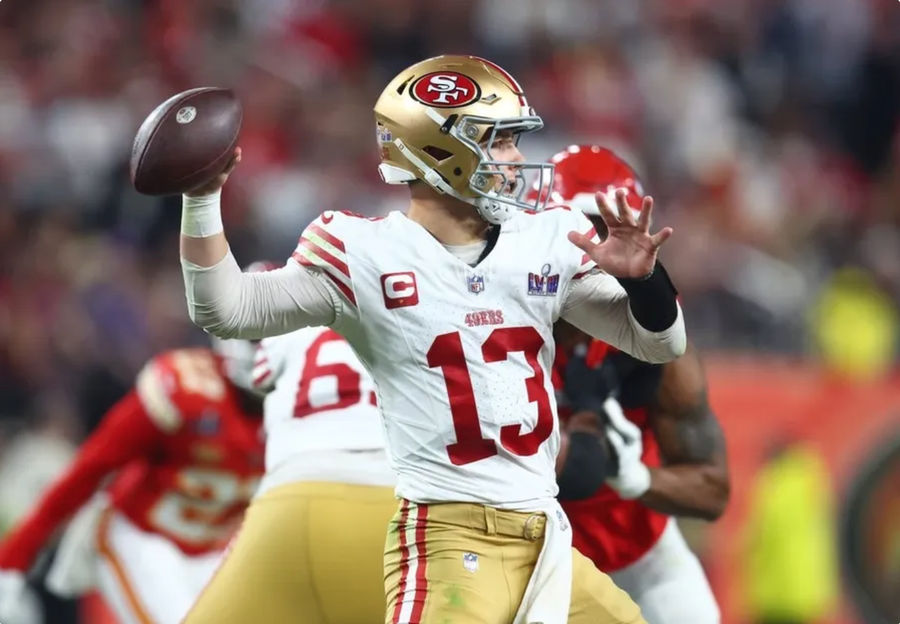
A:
(322, 401)
(461, 355)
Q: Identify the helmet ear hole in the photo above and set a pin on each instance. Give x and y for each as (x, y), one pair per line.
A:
(457, 171)
(439, 154)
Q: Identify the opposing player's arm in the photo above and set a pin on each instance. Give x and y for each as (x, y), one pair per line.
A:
(231, 304)
(693, 480)
(125, 433)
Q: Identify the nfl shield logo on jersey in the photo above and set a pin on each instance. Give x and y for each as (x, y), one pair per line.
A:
(476, 283)
(470, 562)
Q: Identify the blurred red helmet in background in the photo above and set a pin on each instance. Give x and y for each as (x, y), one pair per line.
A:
(582, 170)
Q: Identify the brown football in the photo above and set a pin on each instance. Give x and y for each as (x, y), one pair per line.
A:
(185, 141)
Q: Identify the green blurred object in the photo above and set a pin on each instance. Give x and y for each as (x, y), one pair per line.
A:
(791, 565)
(854, 325)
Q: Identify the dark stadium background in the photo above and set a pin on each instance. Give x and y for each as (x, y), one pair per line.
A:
(767, 130)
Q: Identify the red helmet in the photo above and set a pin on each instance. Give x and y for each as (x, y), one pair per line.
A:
(582, 170)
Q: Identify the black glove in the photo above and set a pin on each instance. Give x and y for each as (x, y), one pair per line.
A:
(589, 462)
(587, 388)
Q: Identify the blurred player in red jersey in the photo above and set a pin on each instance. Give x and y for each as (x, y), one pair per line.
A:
(666, 452)
(158, 489)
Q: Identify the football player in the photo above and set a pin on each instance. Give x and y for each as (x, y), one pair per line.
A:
(670, 453)
(451, 308)
(161, 485)
(311, 546)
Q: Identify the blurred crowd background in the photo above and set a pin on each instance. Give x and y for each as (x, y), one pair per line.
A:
(767, 130)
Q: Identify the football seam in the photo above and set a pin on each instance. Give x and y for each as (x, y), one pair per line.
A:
(163, 118)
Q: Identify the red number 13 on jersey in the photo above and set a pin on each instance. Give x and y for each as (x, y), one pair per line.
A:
(446, 353)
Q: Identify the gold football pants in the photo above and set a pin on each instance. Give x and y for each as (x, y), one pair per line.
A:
(307, 553)
(460, 563)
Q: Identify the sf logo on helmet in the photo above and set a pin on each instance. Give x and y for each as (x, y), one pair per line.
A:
(445, 89)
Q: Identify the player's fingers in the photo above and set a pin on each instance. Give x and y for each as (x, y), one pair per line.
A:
(606, 211)
(581, 241)
(625, 214)
(660, 237)
(646, 214)
(233, 161)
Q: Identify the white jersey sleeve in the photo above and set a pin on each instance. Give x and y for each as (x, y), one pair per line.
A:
(231, 304)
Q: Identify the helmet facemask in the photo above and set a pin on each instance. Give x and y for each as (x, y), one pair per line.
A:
(496, 191)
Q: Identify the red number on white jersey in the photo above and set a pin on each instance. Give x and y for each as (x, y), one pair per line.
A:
(347, 380)
(446, 352)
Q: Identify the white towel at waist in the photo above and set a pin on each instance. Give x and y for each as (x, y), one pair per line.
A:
(546, 599)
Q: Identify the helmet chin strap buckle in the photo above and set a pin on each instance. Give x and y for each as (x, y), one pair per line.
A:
(433, 178)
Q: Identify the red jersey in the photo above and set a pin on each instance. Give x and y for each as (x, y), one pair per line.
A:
(185, 453)
(607, 529)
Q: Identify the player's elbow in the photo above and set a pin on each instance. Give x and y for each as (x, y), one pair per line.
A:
(211, 320)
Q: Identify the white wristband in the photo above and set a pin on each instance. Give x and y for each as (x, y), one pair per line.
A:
(201, 216)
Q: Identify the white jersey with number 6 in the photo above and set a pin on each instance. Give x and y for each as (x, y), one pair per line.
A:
(461, 355)
(321, 418)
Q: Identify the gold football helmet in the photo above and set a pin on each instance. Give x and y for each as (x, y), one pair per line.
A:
(436, 122)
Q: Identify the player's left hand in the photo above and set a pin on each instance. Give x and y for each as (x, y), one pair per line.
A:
(629, 250)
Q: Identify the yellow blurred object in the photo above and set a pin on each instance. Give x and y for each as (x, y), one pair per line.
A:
(855, 325)
(790, 557)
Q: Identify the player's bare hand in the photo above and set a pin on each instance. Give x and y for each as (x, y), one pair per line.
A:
(629, 250)
(213, 185)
